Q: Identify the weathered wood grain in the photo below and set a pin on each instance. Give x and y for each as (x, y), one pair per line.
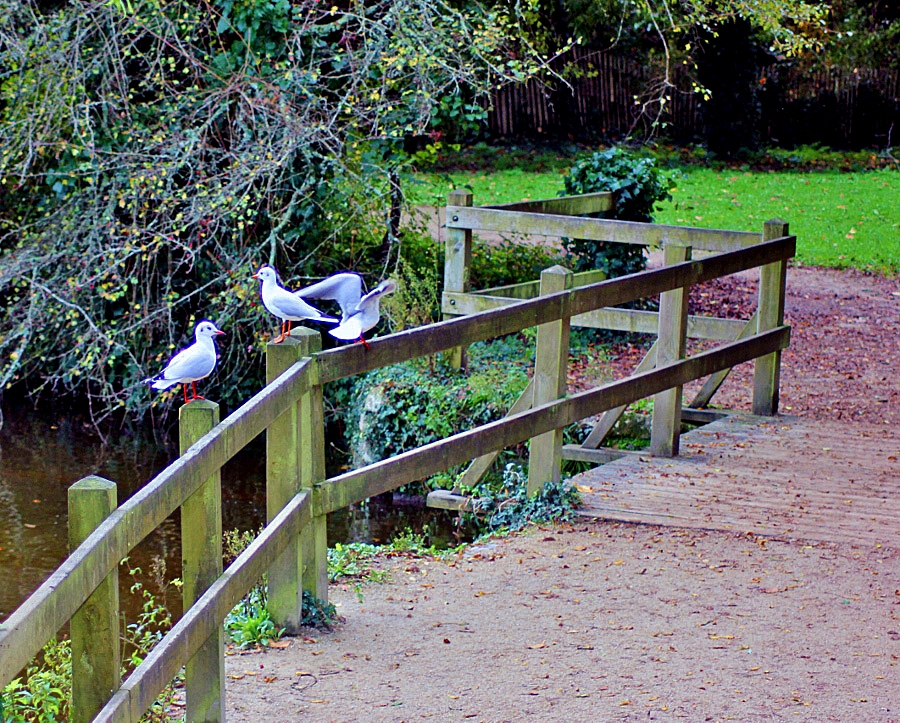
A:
(580, 205)
(551, 358)
(770, 313)
(633, 320)
(457, 264)
(94, 629)
(597, 229)
(201, 565)
(140, 689)
(360, 484)
(283, 463)
(462, 331)
(34, 622)
(671, 342)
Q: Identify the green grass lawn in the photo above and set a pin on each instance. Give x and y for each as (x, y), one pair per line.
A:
(840, 219)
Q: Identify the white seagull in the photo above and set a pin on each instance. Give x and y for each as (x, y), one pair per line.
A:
(365, 315)
(345, 288)
(284, 304)
(190, 364)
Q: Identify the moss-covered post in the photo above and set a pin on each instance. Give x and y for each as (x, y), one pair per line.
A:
(201, 566)
(770, 314)
(287, 452)
(457, 264)
(550, 364)
(96, 663)
(671, 344)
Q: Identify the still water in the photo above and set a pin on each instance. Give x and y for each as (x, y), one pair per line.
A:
(39, 460)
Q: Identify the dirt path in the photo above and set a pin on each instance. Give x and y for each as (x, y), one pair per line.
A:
(615, 621)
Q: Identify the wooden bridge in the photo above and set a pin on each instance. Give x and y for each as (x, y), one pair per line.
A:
(292, 549)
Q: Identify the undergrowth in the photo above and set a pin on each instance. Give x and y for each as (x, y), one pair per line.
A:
(509, 506)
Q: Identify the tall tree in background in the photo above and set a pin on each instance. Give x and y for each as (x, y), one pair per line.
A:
(153, 154)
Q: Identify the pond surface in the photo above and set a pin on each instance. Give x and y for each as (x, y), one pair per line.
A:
(40, 459)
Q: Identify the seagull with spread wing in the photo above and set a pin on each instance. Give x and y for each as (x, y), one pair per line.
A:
(359, 312)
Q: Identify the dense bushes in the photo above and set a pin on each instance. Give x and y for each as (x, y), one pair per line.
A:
(406, 406)
(637, 184)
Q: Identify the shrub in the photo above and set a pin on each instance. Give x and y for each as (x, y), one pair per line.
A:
(407, 405)
(509, 263)
(509, 506)
(638, 185)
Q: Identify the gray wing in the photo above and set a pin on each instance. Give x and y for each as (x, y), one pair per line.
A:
(388, 286)
(344, 288)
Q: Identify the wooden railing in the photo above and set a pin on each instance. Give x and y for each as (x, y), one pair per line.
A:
(568, 217)
(292, 547)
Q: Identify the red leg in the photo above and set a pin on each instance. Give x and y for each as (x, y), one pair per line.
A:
(184, 389)
(281, 337)
(290, 323)
(365, 343)
(194, 389)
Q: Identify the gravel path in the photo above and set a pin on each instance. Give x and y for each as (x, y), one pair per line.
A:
(606, 620)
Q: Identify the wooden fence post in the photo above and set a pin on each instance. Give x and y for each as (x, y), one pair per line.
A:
(287, 453)
(671, 343)
(313, 537)
(457, 265)
(770, 314)
(550, 364)
(201, 566)
(96, 662)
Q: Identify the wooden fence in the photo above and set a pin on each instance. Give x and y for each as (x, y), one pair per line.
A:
(603, 95)
(292, 547)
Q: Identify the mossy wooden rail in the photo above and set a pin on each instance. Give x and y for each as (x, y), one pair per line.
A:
(291, 548)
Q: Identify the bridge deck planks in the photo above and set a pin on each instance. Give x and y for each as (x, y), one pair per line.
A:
(782, 477)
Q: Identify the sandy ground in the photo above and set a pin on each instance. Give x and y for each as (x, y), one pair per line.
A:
(606, 621)
(600, 621)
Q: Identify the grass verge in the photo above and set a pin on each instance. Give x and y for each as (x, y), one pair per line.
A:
(841, 219)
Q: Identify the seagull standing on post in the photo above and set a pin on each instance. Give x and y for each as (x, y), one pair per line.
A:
(191, 364)
(359, 313)
(285, 305)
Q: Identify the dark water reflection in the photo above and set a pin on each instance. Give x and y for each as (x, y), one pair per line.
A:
(39, 460)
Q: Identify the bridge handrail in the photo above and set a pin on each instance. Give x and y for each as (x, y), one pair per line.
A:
(55, 601)
(464, 330)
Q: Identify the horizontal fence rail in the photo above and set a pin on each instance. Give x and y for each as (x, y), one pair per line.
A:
(597, 229)
(360, 484)
(635, 320)
(343, 362)
(161, 665)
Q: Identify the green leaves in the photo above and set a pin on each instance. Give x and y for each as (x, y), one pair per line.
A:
(638, 186)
